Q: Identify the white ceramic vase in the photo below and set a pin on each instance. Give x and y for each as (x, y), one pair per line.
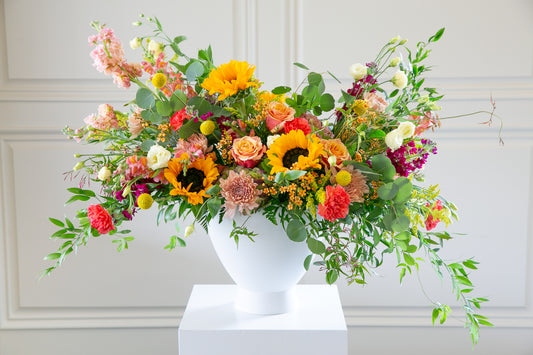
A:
(265, 270)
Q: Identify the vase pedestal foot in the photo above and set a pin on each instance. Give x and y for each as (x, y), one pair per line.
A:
(211, 324)
(265, 303)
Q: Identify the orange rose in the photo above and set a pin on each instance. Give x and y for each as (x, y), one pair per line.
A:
(248, 151)
(335, 148)
(277, 114)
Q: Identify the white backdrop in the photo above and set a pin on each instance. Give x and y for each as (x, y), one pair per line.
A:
(104, 302)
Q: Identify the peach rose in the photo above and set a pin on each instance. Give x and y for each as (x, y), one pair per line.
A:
(335, 148)
(248, 151)
(277, 114)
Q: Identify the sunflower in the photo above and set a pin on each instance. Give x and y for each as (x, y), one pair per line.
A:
(227, 79)
(194, 181)
(295, 151)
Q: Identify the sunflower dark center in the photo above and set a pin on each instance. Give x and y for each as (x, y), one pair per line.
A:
(291, 156)
(194, 177)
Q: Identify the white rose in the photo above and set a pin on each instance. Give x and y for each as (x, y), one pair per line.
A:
(271, 139)
(155, 48)
(158, 157)
(394, 139)
(104, 173)
(399, 79)
(135, 43)
(406, 129)
(358, 71)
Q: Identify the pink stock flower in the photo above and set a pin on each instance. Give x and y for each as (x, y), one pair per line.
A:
(431, 222)
(104, 120)
(108, 57)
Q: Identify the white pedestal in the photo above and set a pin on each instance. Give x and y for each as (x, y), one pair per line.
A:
(212, 326)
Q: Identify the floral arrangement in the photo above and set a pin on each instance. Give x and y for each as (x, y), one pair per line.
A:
(209, 142)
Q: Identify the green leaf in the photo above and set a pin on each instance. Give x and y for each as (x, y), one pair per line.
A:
(79, 191)
(383, 165)
(213, 190)
(327, 102)
(294, 174)
(314, 79)
(77, 198)
(316, 246)
(300, 65)
(280, 90)
(334, 77)
(307, 261)
(194, 70)
(331, 276)
(403, 236)
(52, 256)
(387, 221)
(437, 35)
(147, 144)
(405, 189)
(401, 223)
(144, 98)
(408, 259)
(164, 108)
(387, 191)
(296, 231)
(347, 98)
(214, 204)
(376, 133)
(189, 128)
(178, 100)
(57, 222)
(435, 315)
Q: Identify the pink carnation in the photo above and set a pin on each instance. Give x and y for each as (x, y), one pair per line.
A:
(336, 205)
(100, 219)
(298, 123)
(431, 222)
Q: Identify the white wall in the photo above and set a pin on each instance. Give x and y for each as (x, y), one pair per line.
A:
(102, 302)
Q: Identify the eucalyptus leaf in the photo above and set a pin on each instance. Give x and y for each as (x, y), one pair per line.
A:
(194, 70)
(144, 98)
(387, 191)
(316, 246)
(296, 231)
(327, 102)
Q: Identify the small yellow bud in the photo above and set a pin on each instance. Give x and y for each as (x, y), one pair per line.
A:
(207, 127)
(394, 40)
(126, 191)
(78, 166)
(403, 41)
(77, 155)
(434, 107)
(394, 62)
(343, 178)
(144, 201)
(423, 99)
(189, 230)
(159, 80)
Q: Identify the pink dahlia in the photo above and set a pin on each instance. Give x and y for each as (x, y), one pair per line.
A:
(336, 205)
(240, 191)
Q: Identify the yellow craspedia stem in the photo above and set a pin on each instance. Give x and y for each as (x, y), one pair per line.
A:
(343, 178)
(159, 80)
(207, 127)
(144, 201)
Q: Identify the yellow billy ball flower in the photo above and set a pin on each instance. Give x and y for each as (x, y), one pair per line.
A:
(343, 178)
(144, 201)
(207, 127)
(159, 80)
